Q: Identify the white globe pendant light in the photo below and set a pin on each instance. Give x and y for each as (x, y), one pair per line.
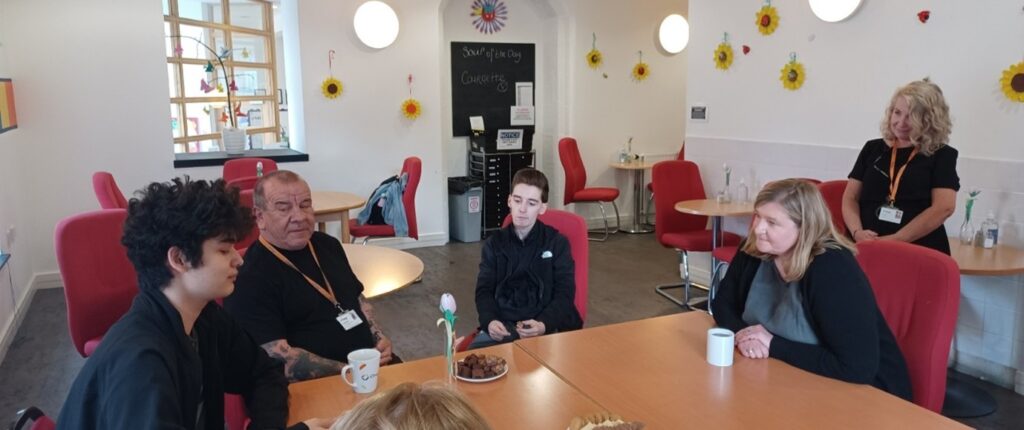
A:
(834, 10)
(376, 24)
(674, 33)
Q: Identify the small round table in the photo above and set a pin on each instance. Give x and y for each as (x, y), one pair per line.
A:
(716, 210)
(334, 206)
(381, 269)
(638, 168)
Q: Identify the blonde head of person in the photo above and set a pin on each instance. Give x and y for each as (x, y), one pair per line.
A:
(411, 406)
(917, 115)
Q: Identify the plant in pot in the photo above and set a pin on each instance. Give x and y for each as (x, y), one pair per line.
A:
(232, 137)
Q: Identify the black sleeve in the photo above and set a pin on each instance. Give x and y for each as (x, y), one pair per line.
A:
(731, 297)
(140, 392)
(255, 306)
(561, 313)
(486, 283)
(843, 313)
(863, 163)
(249, 371)
(944, 175)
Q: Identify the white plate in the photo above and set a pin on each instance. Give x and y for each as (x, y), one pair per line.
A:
(503, 372)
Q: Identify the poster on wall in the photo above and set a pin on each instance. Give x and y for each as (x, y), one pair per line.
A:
(8, 117)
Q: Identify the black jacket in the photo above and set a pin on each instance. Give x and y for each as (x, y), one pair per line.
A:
(533, 278)
(856, 344)
(146, 374)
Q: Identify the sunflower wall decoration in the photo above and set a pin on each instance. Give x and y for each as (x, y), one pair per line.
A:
(489, 16)
(767, 19)
(793, 74)
(641, 70)
(594, 57)
(331, 87)
(1013, 82)
(723, 54)
(411, 107)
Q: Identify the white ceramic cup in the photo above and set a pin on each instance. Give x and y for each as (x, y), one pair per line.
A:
(364, 364)
(720, 346)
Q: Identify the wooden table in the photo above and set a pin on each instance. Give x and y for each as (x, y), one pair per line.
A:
(654, 371)
(334, 206)
(638, 168)
(381, 269)
(716, 210)
(529, 397)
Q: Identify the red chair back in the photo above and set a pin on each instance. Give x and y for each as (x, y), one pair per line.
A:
(572, 163)
(414, 167)
(244, 182)
(39, 420)
(107, 192)
(832, 192)
(574, 228)
(918, 292)
(675, 181)
(245, 199)
(682, 152)
(99, 281)
(241, 167)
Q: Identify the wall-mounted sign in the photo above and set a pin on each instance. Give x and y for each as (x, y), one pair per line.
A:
(510, 139)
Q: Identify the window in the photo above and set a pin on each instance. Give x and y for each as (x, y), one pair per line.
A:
(220, 51)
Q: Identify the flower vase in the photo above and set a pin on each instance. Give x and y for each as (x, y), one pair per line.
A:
(967, 232)
(234, 140)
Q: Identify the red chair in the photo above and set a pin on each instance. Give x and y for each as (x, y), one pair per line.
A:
(574, 228)
(576, 180)
(413, 166)
(107, 192)
(39, 420)
(245, 199)
(918, 292)
(244, 183)
(99, 281)
(832, 192)
(242, 167)
(650, 186)
(676, 181)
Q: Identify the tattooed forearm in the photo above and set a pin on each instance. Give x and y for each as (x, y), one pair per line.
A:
(367, 309)
(299, 364)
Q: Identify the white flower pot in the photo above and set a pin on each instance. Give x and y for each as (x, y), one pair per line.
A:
(234, 140)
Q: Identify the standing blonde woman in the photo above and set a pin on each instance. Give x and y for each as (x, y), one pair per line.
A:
(795, 292)
(412, 406)
(903, 186)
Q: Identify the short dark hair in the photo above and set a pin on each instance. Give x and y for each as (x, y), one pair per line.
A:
(184, 214)
(259, 199)
(532, 177)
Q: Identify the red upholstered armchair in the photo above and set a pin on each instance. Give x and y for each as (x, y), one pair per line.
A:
(576, 180)
(99, 281)
(918, 292)
(650, 186)
(34, 418)
(574, 228)
(245, 199)
(832, 192)
(676, 181)
(242, 167)
(244, 183)
(414, 167)
(107, 192)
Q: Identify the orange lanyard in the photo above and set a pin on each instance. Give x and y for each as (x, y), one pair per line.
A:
(895, 177)
(328, 292)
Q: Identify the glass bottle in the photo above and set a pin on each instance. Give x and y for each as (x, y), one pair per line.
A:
(743, 192)
(990, 231)
(967, 231)
(259, 169)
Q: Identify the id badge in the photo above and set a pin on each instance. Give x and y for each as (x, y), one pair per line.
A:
(890, 214)
(349, 319)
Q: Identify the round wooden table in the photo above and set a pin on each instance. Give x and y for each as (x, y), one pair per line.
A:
(334, 206)
(381, 269)
(638, 168)
(716, 210)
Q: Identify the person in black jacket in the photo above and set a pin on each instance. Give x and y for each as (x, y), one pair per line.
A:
(795, 292)
(527, 283)
(168, 362)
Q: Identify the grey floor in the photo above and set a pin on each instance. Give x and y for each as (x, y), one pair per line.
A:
(41, 363)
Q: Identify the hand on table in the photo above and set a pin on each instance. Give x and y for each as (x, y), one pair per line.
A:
(865, 235)
(530, 328)
(754, 341)
(384, 346)
(497, 331)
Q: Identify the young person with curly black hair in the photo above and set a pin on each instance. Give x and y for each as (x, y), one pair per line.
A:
(168, 362)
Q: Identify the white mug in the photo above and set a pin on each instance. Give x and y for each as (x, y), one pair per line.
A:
(720, 346)
(364, 364)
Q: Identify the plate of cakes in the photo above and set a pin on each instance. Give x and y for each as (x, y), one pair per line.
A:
(604, 421)
(481, 368)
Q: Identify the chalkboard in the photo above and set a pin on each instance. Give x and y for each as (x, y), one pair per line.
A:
(484, 77)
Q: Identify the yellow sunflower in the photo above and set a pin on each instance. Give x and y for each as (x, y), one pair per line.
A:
(792, 75)
(594, 58)
(1013, 82)
(640, 71)
(767, 20)
(331, 88)
(723, 56)
(411, 108)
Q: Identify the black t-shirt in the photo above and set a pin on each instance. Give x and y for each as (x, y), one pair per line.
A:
(914, 195)
(272, 301)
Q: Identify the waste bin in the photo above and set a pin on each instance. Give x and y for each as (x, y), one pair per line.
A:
(464, 206)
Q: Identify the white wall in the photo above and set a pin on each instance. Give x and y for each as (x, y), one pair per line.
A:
(766, 132)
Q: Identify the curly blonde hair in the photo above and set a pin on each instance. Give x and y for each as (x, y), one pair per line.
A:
(804, 205)
(412, 406)
(929, 116)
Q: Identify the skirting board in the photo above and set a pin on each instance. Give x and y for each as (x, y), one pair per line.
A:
(39, 281)
(986, 370)
(426, 240)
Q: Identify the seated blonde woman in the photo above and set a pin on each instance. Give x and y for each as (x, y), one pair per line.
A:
(795, 293)
(411, 406)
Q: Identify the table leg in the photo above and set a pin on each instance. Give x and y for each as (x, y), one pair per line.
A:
(344, 227)
(637, 225)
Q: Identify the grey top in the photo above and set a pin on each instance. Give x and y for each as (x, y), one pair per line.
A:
(778, 306)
